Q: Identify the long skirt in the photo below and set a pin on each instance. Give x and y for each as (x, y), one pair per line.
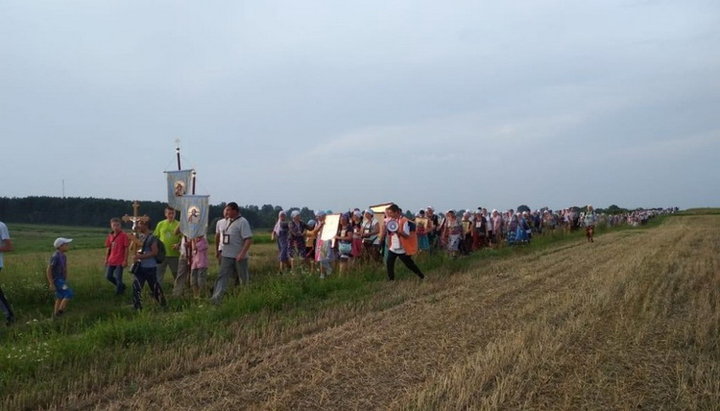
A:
(423, 242)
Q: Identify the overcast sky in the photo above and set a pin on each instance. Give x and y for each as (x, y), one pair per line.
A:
(341, 104)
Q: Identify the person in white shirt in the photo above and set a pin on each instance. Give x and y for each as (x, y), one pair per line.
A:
(401, 242)
(5, 246)
(220, 228)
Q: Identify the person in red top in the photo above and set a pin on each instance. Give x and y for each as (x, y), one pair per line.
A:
(117, 244)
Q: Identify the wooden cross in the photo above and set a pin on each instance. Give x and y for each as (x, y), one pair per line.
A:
(135, 217)
(135, 242)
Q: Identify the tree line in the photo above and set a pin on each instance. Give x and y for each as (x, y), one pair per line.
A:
(96, 212)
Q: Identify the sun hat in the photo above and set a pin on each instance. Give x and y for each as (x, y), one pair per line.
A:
(60, 241)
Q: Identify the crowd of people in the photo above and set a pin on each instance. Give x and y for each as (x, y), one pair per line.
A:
(361, 237)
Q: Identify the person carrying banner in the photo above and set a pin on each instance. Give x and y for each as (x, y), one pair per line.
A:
(168, 231)
(236, 244)
(401, 242)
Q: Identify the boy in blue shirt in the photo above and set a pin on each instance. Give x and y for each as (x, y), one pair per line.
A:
(57, 276)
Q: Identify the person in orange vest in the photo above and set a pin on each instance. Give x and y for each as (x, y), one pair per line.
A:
(401, 242)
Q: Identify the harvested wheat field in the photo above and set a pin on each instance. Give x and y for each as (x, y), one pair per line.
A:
(630, 321)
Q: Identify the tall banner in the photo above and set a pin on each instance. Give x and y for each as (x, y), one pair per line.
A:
(178, 184)
(194, 211)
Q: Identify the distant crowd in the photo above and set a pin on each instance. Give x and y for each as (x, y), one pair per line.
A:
(326, 244)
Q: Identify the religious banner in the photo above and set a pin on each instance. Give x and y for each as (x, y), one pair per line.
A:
(326, 241)
(178, 184)
(331, 227)
(421, 222)
(379, 211)
(194, 211)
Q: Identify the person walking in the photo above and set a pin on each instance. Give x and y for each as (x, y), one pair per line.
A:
(236, 244)
(145, 267)
(168, 231)
(452, 233)
(198, 276)
(6, 245)
(116, 258)
(297, 239)
(434, 229)
(401, 242)
(589, 221)
(281, 234)
(220, 228)
(371, 237)
(57, 276)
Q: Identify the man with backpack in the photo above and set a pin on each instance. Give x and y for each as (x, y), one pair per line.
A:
(401, 241)
(145, 266)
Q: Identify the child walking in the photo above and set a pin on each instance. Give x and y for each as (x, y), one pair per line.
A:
(57, 276)
(198, 275)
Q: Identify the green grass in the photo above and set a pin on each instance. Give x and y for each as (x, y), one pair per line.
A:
(700, 211)
(36, 238)
(99, 325)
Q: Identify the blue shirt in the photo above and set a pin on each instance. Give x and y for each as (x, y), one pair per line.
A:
(58, 265)
(147, 248)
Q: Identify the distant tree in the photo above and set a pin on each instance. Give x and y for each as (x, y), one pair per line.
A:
(306, 214)
(614, 209)
(96, 212)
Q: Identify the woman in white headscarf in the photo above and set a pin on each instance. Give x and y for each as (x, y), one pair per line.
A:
(452, 233)
(281, 233)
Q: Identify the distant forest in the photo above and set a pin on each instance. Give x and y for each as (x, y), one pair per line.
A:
(97, 212)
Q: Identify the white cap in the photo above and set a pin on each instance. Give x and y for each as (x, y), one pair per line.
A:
(60, 241)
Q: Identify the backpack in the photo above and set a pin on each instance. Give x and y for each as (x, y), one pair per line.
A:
(160, 256)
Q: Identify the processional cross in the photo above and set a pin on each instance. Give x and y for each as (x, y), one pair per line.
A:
(134, 219)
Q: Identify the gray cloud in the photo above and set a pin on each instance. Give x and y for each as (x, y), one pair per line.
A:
(337, 105)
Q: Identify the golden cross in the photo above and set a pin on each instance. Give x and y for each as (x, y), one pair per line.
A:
(135, 217)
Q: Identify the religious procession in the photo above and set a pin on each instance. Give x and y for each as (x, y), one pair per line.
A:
(328, 244)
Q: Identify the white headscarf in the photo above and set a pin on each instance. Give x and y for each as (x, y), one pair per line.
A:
(276, 229)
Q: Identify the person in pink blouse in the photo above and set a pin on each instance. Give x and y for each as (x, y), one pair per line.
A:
(198, 273)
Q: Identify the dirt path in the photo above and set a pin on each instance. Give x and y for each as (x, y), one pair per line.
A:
(581, 325)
